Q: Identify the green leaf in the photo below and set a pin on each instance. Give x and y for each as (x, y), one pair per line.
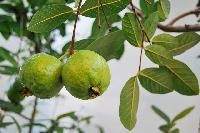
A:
(147, 8)
(8, 70)
(49, 17)
(56, 1)
(110, 46)
(132, 29)
(185, 81)
(166, 40)
(186, 41)
(96, 33)
(129, 100)
(90, 7)
(161, 113)
(5, 124)
(37, 3)
(158, 54)
(164, 9)
(87, 119)
(166, 128)
(7, 55)
(7, 106)
(151, 23)
(156, 80)
(175, 131)
(59, 130)
(69, 114)
(182, 114)
(179, 44)
(35, 125)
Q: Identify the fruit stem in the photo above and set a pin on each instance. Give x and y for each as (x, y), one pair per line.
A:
(71, 49)
(63, 56)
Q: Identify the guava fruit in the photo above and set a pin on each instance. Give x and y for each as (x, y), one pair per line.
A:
(41, 74)
(14, 93)
(86, 74)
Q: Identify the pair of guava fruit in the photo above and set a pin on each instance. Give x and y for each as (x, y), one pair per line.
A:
(85, 75)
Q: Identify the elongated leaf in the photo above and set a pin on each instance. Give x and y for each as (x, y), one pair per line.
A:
(49, 17)
(36, 125)
(158, 54)
(5, 124)
(156, 80)
(69, 114)
(186, 41)
(90, 7)
(132, 29)
(182, 114)
(129, 100)
(147, 8)
(8, 70)
(161, 113)
(110, 46)
(175, 131)
(164, 9)
(166, 128)
(7, 106)
(185, 81)
(7, 55)
(179, 44)
(166, 40)
(151, 23)
(96, 32)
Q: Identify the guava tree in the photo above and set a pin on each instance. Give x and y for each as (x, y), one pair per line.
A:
(139, 25)
(14, 17)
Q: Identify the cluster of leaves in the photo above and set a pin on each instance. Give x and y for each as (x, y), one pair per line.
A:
(59, 126)
(169, 127)
(14, 18)
(170, 75)
(76, 122)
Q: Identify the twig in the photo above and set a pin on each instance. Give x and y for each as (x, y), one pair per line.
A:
(141, 25)
(106, 19)
(23, 116)
(183, 28)
(33, 115)
(192, 12)
(99, 17)
(170, 28)
(71, 49)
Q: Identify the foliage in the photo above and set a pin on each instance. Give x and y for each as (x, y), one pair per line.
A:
(13, 22)
(138, 28)
(169, 126)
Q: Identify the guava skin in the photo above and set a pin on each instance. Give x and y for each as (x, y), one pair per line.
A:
(14, 92)
(86, 74)
(41, 74)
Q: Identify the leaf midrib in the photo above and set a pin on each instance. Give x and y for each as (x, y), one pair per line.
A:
(132, 101)
(155, 81)
(52, 17)
(179, 77)
(103, 4)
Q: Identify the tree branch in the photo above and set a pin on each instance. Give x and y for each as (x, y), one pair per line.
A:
(192, 12)
(183, 28)
(33, 115)
(170, 28)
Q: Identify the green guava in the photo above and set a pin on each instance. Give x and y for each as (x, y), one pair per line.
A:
(86, 74)
(41, 74)
(14, 93)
